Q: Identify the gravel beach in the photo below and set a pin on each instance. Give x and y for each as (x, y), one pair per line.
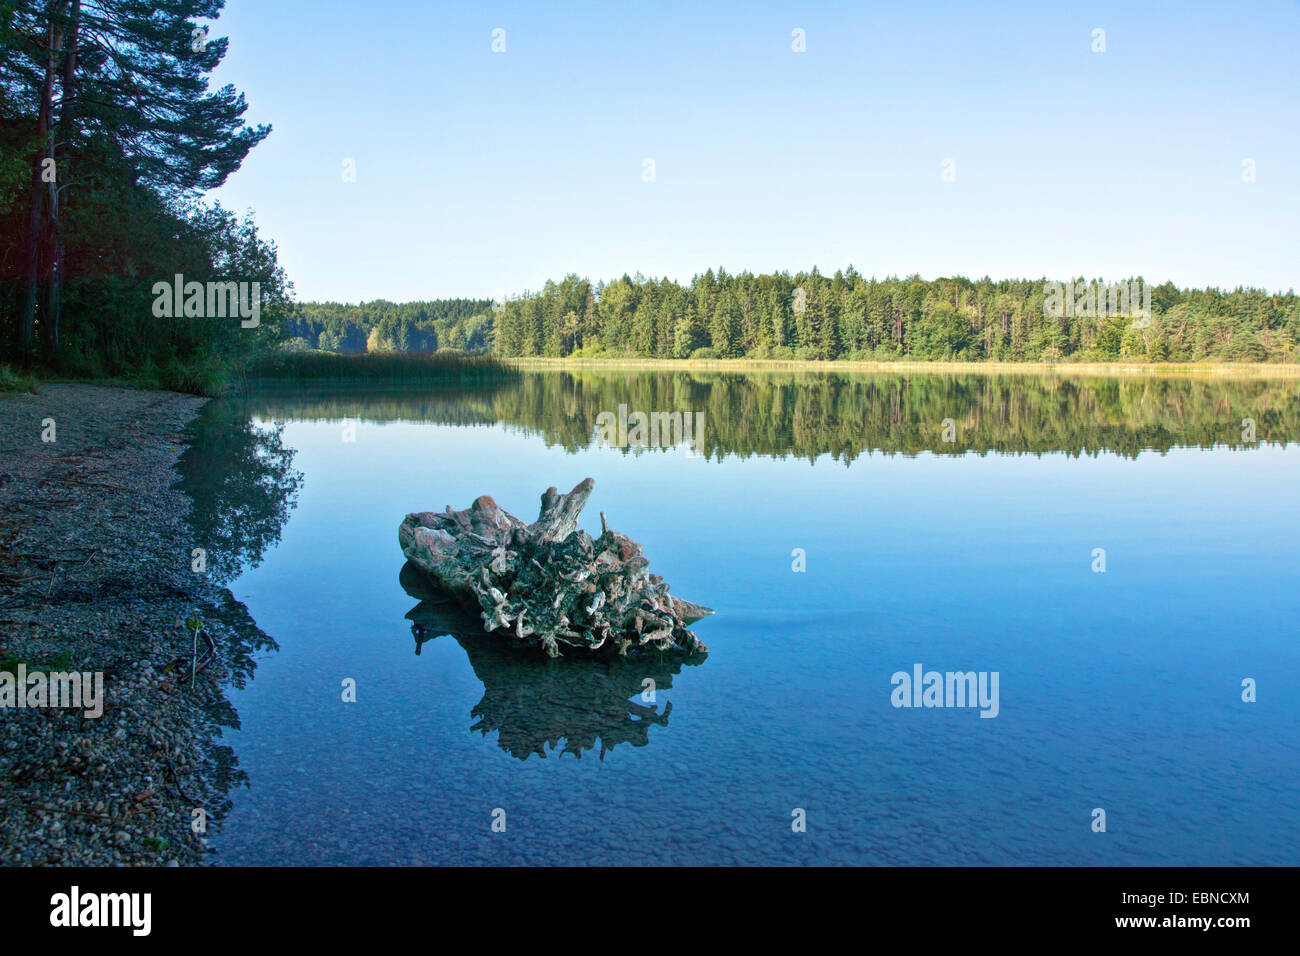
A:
(95, 576)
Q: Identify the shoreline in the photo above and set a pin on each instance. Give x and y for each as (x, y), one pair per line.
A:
(1199, 369)
(95, 552)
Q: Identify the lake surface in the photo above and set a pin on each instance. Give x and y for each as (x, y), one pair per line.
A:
(1119, 690)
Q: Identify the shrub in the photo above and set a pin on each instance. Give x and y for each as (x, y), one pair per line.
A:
(11, 381)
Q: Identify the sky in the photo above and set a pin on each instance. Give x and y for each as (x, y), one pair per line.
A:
(666, 138)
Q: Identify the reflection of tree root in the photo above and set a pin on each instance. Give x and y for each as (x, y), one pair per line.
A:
(532, 702)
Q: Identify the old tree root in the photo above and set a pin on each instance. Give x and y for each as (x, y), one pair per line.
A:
(548, 583)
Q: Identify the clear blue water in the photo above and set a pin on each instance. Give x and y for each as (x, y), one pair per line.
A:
(1118, 690)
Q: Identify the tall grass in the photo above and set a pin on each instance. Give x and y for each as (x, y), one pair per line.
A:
(379, 368)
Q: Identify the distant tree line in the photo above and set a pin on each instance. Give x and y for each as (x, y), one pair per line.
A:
(848, 316)
(382, 326)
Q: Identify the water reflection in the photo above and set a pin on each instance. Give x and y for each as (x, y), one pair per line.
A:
(241, 641)
(242, 485)
(809, 414)
(332, 766)
(533, 702)
(241, 479)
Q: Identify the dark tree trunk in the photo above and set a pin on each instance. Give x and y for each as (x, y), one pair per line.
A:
(31, 266)
(36, 206)
(59, 151)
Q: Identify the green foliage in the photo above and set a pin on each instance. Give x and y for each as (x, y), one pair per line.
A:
(59, 662)
(1244, 346)
(240, 476)
(11, 381)
(811, 316)
(135, 135)
(316, 366)
(383, 326)
(139, 86)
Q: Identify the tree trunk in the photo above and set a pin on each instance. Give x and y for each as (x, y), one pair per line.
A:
(59, 151)
(36, 204)
(31, 253)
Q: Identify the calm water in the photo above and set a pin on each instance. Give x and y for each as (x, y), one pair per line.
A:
(1119, 690)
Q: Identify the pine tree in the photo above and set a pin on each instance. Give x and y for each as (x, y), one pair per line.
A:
(689, 334)
(132, 79)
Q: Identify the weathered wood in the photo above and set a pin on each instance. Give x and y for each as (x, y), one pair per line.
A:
(549, 583)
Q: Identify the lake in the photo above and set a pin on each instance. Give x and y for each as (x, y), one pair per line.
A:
(1121, 552)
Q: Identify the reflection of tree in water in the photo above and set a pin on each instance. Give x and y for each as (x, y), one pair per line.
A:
(241, 641)
(242, 483)
(532, 701)
(241, 479)
(847, 414)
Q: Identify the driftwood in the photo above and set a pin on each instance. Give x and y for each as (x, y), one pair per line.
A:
(549, 584)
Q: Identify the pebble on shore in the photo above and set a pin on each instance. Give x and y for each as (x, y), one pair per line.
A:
(95, 576)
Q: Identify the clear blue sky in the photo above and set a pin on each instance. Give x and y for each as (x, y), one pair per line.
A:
(481, 173)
